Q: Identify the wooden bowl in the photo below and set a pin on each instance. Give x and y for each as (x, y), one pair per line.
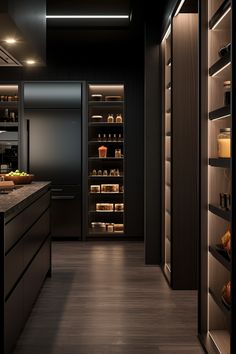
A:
(20, 179)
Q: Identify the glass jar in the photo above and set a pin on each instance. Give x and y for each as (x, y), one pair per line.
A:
(227, 92)
(110, 118)
(102, 152)
(110, 227)
(224, 143)
(117, 153)
(118, 118)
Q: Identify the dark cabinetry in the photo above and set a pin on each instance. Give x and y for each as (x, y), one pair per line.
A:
(180, 151)
(27, 261)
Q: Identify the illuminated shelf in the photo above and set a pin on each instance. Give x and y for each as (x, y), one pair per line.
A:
(220, 113)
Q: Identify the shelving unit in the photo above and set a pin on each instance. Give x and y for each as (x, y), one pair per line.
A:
(167, 61)
(105, 132)
(216, 266)
(9, 127)
(180, 149)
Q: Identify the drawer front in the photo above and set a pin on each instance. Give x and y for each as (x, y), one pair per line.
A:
(35, 237)
(13, 267)
(13, 317)
(34, 277)
(22, 222)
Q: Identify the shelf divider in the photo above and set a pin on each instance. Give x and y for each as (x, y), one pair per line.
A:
(224, 214)
(220, 162)
(220, 113)
(219, 13)
(219, 65)
(220, 258)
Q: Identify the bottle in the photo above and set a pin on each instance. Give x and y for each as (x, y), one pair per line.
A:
(119, 137)
(109, 137)
(224, 143)
(117, 153)
(114, 137)
(227, 92)
(99, 137)
(104, 137)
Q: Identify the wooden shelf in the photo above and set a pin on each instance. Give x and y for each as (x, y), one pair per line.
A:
(106, 177)
(220, 113)
(220, 257)
(106, 234)
(106, 158)
(219, 13)
(220, 65)
(220, 162)
(224, 214)
(105, 124)
(95, 142)
(219, 303)
(221, 339)
(112, 193)
(105, 212)
(105, 103)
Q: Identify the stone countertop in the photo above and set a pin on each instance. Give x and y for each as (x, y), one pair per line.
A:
(21, 197)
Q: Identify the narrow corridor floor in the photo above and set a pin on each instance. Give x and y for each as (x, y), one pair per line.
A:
(102, 299)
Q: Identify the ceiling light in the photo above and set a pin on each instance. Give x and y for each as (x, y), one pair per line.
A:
(10, 41)
(88, 16)
(30, 62)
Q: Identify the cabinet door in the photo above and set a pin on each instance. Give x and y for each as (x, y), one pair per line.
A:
(66, 212)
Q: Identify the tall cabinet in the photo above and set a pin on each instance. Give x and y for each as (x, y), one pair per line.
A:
(216, 321)
(104, 173)
(180, 149)
(9, 127)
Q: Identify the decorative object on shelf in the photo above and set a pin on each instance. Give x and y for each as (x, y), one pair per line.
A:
(110, 227)
(98, 226)
(118, 227)
(118, 153)
(114, 137)
(94, 172)
(225, 201)
(225, 50)
(105, 173)
(119, 118)
(227, 92)
(121, 189)
(109, 137)
(226, 242)
(110, 118)
(224, 143)
(96, 117)
(104, 137)
(4, 168)
(119, 206)
(96, 97)
(120, 137)
(95, 189)
(102, 152)
(99, 172)
(104, 206)
(112, 172)
(117, 172)
(226, 294)
(99, 138)
(109, 188)
(113, 98)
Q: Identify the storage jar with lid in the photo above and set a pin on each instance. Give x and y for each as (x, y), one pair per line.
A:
(102, 152)
(110, 118)
(224, 143)
(118, 118)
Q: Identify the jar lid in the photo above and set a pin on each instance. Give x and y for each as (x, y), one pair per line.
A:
(102, 147)
(225, 130)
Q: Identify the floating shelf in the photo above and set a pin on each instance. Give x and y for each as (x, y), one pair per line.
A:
(106, 142)
(219, 13)
(106, 158)
(103, 193)
(104, 234)
(220, 162)
(224, 214)
(219, 303)
(220, 257)
(221, 340)
(106, 211)
(106, 176)
(220, 65)
(105, 124)
(105, 103)
(220, 113)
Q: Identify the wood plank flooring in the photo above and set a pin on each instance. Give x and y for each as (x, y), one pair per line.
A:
(101, 299)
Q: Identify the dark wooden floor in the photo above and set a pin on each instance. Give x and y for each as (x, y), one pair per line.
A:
(103, 300)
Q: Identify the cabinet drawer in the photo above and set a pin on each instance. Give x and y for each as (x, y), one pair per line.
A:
(34, 277)
(22, 222)
(13, 317)
(14, 267)
(35, 237)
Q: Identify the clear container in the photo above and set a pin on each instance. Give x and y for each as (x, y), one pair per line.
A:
(102, 152)
(110, 118)
(117, 153)
(119, 118)
(227, 92)
(224, 143)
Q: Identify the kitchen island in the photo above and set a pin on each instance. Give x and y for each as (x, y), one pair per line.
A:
(25, 255)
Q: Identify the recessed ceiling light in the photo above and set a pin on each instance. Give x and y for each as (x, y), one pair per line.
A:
(30, 62)
(10, 41)
(89, 16)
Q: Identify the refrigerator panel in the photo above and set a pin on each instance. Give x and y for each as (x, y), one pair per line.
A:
(54, 145)
(52, 95)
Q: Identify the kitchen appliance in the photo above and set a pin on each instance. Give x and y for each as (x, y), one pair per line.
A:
(52, 148)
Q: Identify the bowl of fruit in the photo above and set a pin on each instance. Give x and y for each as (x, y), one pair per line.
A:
(19, 177)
